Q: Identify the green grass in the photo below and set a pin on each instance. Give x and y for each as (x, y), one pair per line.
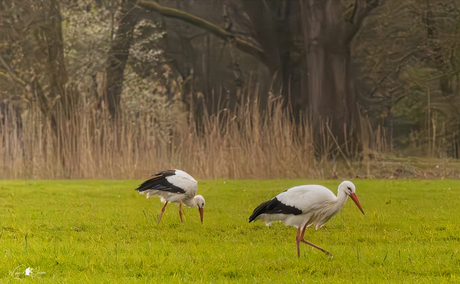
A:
(105, 232)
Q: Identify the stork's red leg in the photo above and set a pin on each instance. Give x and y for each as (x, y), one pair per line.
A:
(297, 241)
(162, 211)
(180, 212)
(301, 239)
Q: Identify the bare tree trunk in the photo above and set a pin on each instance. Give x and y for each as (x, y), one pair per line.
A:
(55, 47)
(331, 98)
(54, 66)
(433, 49)
(118, 55)
(57, 104)
(327, 84)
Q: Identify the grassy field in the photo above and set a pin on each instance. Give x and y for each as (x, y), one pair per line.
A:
(105, 232)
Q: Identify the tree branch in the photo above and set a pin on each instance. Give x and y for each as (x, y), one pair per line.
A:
(361, 10)
(241, 44)
(10, 72)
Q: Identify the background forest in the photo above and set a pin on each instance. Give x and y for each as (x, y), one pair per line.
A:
(229, 88)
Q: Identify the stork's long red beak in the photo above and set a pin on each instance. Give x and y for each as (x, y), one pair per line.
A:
(355, 199)
(201, 214)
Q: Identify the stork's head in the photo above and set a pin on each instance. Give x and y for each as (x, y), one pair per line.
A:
(349, 188)
(200, 203)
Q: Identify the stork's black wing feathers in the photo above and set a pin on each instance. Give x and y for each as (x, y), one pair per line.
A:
(274, 206)
(159, 182)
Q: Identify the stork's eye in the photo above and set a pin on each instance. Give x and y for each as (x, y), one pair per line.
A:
(349, 188)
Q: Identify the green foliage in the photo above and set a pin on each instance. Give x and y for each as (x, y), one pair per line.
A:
(104, 232)
(409, 56)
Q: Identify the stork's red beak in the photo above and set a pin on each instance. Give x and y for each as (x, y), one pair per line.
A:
(201, 214)
(355, 199)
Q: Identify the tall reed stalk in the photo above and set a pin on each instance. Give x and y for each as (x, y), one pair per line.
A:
(243, 143)
(239, 144)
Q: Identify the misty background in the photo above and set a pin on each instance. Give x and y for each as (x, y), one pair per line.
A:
(238, 89)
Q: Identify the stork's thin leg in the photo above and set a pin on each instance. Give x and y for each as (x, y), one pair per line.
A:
(301, 239)
(297, 242)
(180, 212)
(162, 211)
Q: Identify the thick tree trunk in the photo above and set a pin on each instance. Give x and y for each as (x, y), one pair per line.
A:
(308, 46)
(55, 50)
(327, 85)
(118, 55)
(331, 99)
(57, 105)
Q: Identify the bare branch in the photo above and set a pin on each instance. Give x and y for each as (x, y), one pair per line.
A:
(10, 72)
(241, 44)
(361, 10)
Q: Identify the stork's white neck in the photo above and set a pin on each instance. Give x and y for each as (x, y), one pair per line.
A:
(340, 201)
(191, 202)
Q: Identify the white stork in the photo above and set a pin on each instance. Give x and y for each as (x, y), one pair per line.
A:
(305, 205)
(173, 186)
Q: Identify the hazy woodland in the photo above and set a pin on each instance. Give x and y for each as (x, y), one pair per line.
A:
(229, 89)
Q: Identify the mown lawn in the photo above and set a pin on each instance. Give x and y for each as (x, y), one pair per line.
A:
(105, 232)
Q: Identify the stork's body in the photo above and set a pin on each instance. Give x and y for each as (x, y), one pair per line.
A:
(173, 186)
(305, 205)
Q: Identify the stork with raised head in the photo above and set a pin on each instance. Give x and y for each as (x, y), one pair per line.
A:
(173, 186)
(305, 205)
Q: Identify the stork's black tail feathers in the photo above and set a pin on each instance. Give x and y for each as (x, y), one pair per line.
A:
(159, 182)
(148, 184)
(262, 208)
(274, 206)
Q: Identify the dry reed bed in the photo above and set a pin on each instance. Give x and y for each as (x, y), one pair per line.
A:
(245, 143)
(241, 144)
